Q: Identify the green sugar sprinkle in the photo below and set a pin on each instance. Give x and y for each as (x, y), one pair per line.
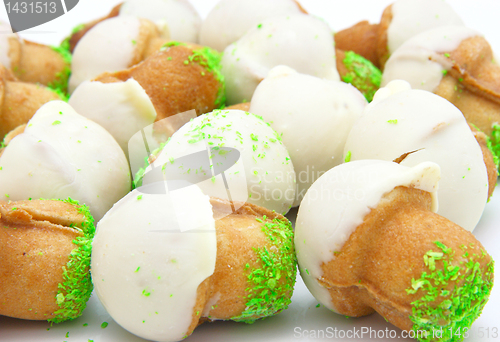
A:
(209, 59)
(60, 84)
(362, 74)
(270, 285)
(76, 287)
(395, 121)
(139, 197)
(57, 122)
(104, 325)
(493, 143)
(443, 306)
(347, 157)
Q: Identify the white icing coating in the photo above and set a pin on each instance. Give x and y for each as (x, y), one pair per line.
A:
(314, 115)
(229, 20)
(145, 270)
(299, 41)
(179, 15)
(411, 17)
(5, 43)
(338, 202)
(107, 47)
(417, 60)
(263, 175)
(402, 120)
(122, 108)
(62, 154)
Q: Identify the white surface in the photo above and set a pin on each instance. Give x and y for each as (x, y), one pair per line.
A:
(302, 314)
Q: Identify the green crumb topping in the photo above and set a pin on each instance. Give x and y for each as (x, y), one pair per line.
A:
(211, 59)
(76, 287)
(347, 158)
(444, 306)
(270, 285)
(62, 95)
(61, 80)
(362, 74)
(493, 143)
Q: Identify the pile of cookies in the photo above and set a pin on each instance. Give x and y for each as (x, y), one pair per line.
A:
(188, 140)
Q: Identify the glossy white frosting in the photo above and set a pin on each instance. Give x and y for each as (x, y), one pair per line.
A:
(417, 60)
(263, 175)
(338, 202)
(62, 154)
(300, 41)
(229, 20)
(313, 115)
(181, 18)
(107, 47)
(401, 120)
(411, 17)
(145, 269)
(122, 108)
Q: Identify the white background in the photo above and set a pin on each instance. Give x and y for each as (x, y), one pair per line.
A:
(302, 314)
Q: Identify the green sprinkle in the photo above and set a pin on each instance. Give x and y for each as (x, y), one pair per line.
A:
(270, 284)
(254, 137)
(139, 197)
(76, 287)
(85, 324)
(104, 325)
(318, 305)
(138, 268)
(67, 334)
(57, 122)
(442, 305)
(347, 157)
(146, 293)
(259, 26)
(447, 55)
(362, 74)
(395, 121)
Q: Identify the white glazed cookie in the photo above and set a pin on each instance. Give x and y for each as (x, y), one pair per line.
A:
(262, 175)
(411, 17)
(299, 41)
(229, 20)
(418, 60)
(146, 270)
(180, 16)
(122, 108)
(62, 154)
(338, 202)
(400, 121)
(110, 46)
(314, 117)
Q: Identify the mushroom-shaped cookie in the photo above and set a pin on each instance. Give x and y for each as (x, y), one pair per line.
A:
(179, 16)
(45, 251)
(229, 20)
(400, 21)
(313, 117)
(164, 263)
(456, 63)
(62, 154)
(114, 44)
(34, 63)
(19, 100)
(179, 78)
(368, 239)
(286, 40)
(300, 41)
(412, 126)
(230, 154)
(122, 108)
